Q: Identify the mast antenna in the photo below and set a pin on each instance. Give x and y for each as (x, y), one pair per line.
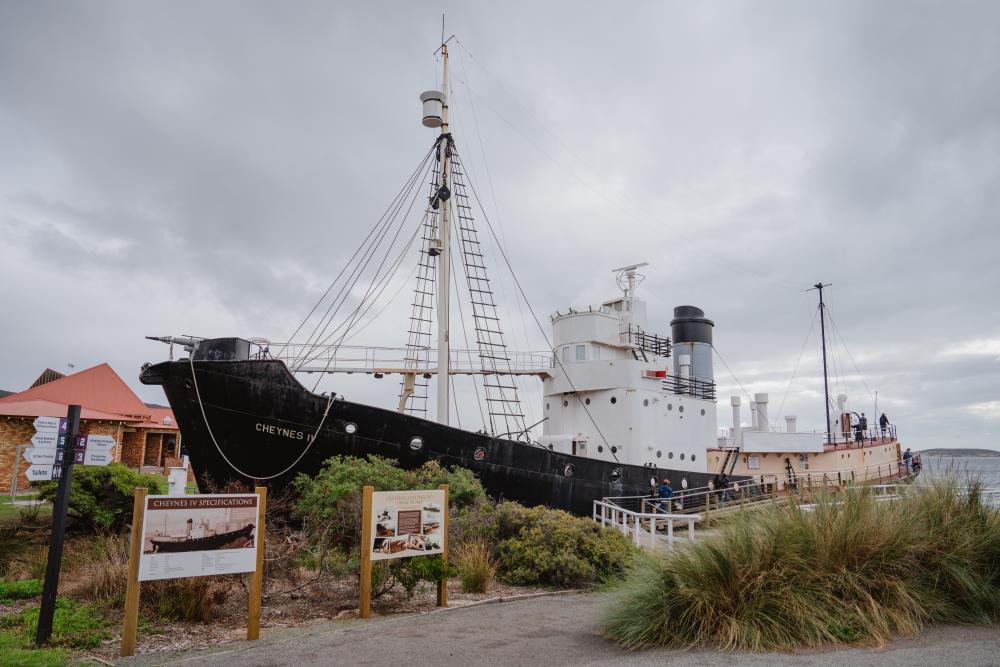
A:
(822, 329)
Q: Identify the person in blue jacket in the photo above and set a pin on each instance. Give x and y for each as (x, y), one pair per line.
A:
(665, 492)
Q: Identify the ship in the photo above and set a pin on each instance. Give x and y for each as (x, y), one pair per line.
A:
(173, 544)
(624, 406)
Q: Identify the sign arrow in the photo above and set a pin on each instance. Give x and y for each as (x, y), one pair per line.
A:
(40, 456)
(96, 458)
(38, 473)
(50, 424)
(47, 439)
(101, 443)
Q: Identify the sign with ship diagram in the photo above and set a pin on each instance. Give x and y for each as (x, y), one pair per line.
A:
(198, 535)
(407, 523)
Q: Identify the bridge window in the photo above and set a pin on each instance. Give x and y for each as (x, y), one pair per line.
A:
(596, 353)
(581, 352)
(566, 353)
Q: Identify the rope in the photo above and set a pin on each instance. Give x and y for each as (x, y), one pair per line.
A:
(539, 324)
(201, 407)
(736, 380)
(795, 370)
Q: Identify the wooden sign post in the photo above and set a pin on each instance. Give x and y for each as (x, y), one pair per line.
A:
(408, 523)
(230, 527)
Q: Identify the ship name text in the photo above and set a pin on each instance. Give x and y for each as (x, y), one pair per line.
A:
(290, 433)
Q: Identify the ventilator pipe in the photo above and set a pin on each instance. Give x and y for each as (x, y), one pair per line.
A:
(790, 426)
(753, 416)
(762, 423)
(736, 432)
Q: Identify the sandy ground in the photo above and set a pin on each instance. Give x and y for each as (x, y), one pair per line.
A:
(550, 630)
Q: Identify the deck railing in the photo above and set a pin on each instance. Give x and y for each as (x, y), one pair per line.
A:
(644, 527)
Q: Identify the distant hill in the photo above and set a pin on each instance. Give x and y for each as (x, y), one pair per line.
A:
(984, 453)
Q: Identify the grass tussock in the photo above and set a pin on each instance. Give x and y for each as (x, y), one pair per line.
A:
(476, 565)
(852, 571)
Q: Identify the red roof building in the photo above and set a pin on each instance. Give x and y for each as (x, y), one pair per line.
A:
(146, 435)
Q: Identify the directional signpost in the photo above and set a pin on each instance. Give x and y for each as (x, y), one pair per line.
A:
(51, 458)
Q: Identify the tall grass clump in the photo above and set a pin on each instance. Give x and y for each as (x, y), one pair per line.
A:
(476, 565)
(853, 570)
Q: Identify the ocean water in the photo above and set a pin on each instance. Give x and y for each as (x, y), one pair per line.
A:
(987, 469)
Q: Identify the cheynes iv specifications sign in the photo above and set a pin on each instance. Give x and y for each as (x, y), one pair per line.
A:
(194, 536)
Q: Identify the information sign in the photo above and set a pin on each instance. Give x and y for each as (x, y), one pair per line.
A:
(407, 523)
(39, 473)
(196, 536)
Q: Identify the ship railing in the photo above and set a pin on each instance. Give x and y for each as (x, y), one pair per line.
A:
(653, 530)
(368, 359)
(647, 342)
(859, 438)
(690, 386)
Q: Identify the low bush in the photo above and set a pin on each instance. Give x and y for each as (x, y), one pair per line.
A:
(101, 496)
(852, 570)
(20, 590)
(476, 565)
(97, 568)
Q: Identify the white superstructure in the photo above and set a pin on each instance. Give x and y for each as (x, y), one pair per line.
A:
(616, 394)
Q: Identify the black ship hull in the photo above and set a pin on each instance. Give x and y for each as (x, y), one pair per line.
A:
(263, 420)
(164, 545)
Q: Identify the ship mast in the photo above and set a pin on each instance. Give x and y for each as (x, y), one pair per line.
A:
(444, 259)
(822, 331)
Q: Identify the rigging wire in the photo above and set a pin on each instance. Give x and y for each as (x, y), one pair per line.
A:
(465, 336)
(539, 324)
(638, 213)
(533, 391)
(354, 255)
(848, 350)
(738, 383)
(795, 370)
(362, 265)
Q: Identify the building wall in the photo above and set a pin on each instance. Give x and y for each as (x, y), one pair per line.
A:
(133, 448)
(14, 431)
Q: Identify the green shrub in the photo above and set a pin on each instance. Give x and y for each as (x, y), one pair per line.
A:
(76, 625)
(330, 503)
(101, 496)
(853, 570)
(476, 565)
(20, 590)
(542, 546)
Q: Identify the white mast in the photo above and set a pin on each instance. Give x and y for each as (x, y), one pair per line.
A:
(444, 259)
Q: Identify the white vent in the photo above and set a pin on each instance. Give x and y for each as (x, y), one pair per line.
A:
(167, 421)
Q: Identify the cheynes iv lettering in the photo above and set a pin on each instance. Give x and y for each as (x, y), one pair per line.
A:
(291, 433)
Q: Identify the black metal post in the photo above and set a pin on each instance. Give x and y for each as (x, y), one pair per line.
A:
(826, 382)
(61, 505)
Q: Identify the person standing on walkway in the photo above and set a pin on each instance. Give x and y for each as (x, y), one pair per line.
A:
(907, 458)
(665, 493)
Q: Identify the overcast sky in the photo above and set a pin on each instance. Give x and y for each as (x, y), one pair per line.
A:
(207, 167)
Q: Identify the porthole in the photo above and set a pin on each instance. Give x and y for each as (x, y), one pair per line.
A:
(350, 428)
(613, 400)
(546, 406)
(600, 449)
(565, 404)
(682, 456)
(479, 454)
(645, 402)
(659, 453)
(616, 475)
(569, 470)
(703, 412)
(614, 450)
(416, 444)
(187, 384)
(670, 455)
(586, 401)
(692, 457)
(684, 483)
(680, 408)
(670, 406)
(652, 482)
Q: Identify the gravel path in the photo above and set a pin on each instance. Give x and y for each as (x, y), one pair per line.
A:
(551, 631)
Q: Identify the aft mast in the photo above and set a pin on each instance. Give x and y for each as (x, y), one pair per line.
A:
(822, 329)
(444, 260)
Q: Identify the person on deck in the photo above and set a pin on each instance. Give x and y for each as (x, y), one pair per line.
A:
(863, 423)
(665, 492)
(907, 459)
(883, 423)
